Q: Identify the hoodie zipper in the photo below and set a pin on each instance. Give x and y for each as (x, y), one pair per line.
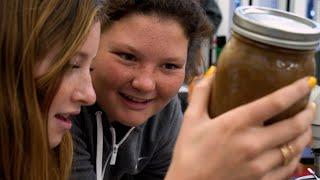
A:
(115, 146)
(114, 152)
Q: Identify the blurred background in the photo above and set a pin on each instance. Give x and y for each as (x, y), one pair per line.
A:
(211, 50)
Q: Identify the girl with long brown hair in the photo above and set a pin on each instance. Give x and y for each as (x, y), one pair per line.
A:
(46, 51)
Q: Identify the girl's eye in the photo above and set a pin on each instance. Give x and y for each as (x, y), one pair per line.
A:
(73, 66)
(126, 56)
(171, 66)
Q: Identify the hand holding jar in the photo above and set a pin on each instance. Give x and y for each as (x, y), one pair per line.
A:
(234, 145)
(259, 118)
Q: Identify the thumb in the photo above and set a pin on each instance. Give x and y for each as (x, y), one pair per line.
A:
(200, 97)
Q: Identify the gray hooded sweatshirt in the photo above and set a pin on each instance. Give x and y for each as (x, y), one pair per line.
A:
(116, 152)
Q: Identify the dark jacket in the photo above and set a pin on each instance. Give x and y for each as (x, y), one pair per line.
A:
(145, 154)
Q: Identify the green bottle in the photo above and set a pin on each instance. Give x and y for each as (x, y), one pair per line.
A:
(221, 41)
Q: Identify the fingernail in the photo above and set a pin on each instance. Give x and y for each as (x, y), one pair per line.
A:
(313, 105)
(312, 81)
(210, 71)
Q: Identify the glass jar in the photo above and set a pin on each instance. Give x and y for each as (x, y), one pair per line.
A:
(268, 50)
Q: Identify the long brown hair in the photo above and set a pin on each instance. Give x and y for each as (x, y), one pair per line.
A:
(28, 30)
(188, 13)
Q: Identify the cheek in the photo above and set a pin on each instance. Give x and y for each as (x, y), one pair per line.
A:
(100, 75)
(170, 86)
(59, 101)
(100, 78)
(109, 77)
(52, 128)
(62, 95)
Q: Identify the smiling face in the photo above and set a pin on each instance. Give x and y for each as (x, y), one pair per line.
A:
(139, 67)
(75, 89)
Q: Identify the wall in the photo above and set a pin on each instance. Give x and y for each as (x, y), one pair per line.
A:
(299, 7)
(226, 10)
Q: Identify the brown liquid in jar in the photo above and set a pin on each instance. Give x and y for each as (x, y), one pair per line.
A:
(248, 70)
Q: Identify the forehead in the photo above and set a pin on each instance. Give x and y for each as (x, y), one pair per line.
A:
(90, 45)
(147, 33)
(146, 24)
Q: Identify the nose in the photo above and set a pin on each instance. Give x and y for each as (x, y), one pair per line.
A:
(84, 93)
(144, 81)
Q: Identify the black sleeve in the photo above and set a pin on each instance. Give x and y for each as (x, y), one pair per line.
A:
(82, 168)
(159, 163)
(213, 13)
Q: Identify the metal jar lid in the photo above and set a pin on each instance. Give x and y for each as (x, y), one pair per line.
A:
(276, 27)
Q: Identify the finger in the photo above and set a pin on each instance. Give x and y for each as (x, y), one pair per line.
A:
(274, 158)
(268, 106)
(300, 143)
(283, 172)
(194, 81)
(266, 162)
(286, 130)
(299, 169)
(200, 97)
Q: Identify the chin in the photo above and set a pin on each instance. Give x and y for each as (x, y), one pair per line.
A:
(55, 142)
(132, 122)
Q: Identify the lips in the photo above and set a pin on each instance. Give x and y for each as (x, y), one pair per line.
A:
(65, 118)
(135, 99)
(135, 103)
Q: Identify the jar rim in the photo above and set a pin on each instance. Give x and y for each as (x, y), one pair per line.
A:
(276, 27)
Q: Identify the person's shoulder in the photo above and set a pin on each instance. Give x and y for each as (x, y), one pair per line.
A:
(165, 124)
(173, 104)
(173, 108)
(168, 116)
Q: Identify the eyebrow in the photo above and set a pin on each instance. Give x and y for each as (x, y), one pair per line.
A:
(124, 46)
(178, 60)
(135, 51)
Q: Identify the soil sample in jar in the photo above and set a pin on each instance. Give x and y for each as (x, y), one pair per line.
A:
(268, 49)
